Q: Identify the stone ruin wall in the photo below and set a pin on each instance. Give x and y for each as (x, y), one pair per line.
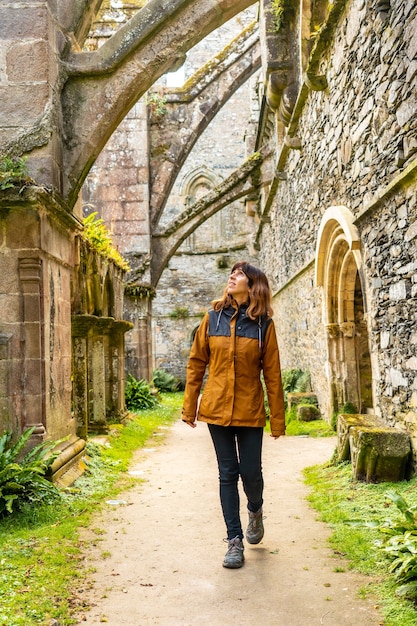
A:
(389, 238)
(355, 136)
(198, 272)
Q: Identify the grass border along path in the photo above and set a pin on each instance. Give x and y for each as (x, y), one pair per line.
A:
(355, 510)
(41, 555)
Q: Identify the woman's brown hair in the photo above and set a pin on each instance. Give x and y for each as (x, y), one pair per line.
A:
(259, 292)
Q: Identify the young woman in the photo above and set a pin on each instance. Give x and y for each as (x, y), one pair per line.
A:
(236, 340)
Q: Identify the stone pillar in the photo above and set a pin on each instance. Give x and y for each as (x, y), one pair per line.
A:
(98, 371)
(33, 362)
(96, 379)
(5, 370)
(116, 371)
(79, 384)
(138, 309)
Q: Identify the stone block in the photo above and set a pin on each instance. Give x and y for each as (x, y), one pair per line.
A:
(379, 454)
(22, 105)
(307, 412)
(28, 23)
(26, 61)
(295, 398)
(345, 422)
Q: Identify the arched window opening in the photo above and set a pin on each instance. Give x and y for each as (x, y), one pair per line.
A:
(339, 272)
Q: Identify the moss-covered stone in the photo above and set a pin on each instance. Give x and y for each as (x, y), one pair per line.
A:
(307, 412)
(345, 422)
(379, 454)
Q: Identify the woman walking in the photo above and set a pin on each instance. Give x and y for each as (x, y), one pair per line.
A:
(236, 340)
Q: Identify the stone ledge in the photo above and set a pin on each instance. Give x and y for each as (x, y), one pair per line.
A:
(345, 421)
(379, 454)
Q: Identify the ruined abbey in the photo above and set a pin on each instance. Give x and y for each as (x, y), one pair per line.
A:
(202, 132)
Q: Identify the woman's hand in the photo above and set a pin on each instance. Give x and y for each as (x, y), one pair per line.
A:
(192, 424)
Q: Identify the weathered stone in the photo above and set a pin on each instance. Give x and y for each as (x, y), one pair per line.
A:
(26, 61)
(308, 412)
(294, 398)
(379, 454)
(346, 421)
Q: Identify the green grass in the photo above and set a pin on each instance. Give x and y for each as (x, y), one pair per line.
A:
(41, 553)
(340, 501)
(316, 428)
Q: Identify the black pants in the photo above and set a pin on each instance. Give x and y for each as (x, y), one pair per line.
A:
(239, 452)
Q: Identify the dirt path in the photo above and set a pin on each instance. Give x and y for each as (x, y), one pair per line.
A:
(159, 561)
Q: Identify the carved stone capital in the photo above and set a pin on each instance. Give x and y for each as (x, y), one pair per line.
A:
(333, 331)
(348, 329)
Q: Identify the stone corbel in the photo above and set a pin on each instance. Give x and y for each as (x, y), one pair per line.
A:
(348, 329)
(293, 142)
(315, 82)
(287, 104)
(277, 82)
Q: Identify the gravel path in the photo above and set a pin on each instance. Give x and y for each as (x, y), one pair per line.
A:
(160, 558)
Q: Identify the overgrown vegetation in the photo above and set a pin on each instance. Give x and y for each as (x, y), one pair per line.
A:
(41, 552)
(97, 235)
(180, 312)
(283, 11)
(140, 291)
(13, 172)
(361, 515)
(164, 381)
(295, 380)
(156, 103)
(139, 394)
(23, 481)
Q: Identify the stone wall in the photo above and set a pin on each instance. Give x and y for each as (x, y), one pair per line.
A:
(300, 331)
(36, 260)
(357, 137)
(390, 252)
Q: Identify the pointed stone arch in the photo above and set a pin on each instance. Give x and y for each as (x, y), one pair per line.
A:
(339, 272)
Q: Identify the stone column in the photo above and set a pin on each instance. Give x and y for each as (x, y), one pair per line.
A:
(138, 309)
(33, 363)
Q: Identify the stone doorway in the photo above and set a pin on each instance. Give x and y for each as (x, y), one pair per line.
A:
(339, 272)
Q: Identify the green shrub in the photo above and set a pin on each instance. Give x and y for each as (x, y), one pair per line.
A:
(349, 408)
(98, 236)
(295, 380)
(24, 481)
(180, 313)
(13, 172)
(139, 395)
(164, 381)
(401, 546)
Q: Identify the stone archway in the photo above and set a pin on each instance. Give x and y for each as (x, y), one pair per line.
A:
(339, 272)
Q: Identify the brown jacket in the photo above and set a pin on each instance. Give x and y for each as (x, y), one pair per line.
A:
(236, 349)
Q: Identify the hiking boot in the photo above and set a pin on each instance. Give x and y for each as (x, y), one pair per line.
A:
(234, 556)
(255, 529)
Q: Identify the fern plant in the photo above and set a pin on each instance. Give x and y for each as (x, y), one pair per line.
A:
(164, 381)
(139, 395)
(401, 546)
(24, 481)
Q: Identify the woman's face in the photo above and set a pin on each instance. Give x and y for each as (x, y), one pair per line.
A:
(238, 286)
